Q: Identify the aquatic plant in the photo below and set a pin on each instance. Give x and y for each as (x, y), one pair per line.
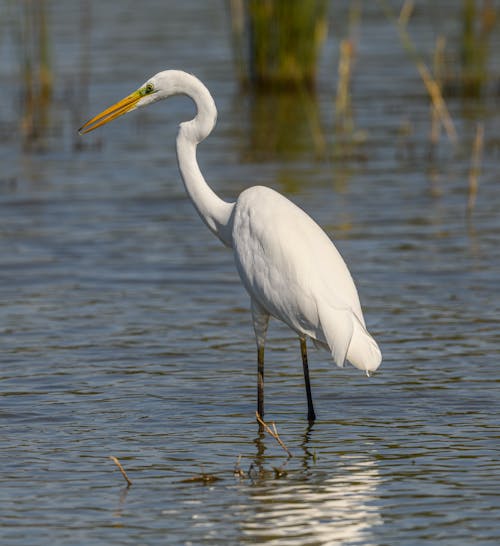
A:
(477, 26)
(33, 41)
(282, 38)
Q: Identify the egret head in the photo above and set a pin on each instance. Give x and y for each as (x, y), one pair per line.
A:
(160, 86)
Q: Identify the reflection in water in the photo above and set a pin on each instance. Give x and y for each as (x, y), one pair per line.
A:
(284, 125)
(340, 509)
(43, 91)
(36, 82)
(121, 502)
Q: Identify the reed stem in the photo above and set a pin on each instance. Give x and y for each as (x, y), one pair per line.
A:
(475, 170)
(121, 469)
(432, 86)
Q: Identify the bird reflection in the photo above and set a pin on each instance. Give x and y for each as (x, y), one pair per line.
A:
(339, 508)
(258, 471)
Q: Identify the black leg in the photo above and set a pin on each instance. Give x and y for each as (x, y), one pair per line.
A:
(260, 381)
(260, 319)
(311, 415)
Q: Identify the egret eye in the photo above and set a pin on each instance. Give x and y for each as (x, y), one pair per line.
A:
(148, 89)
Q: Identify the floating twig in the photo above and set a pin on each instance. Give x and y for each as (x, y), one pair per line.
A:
(203, 477)
(279, 472)
(273, 432)
(475, 169)
(122, 470)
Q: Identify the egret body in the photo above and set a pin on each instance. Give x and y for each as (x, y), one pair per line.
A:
(288, 265)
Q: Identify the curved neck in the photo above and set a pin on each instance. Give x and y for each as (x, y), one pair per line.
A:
(215, 212)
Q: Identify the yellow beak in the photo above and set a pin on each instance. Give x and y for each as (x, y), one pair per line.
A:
(121, 107)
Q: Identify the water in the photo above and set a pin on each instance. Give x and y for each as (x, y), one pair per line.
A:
(125, 331)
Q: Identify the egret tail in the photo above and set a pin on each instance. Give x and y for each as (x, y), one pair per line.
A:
(347, 338)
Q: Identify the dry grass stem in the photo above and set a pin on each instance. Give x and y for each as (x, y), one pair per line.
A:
(406, 12)
(122, 470)
(438, 102)
(273, 432)
(475, 170)
(343, 98)
(432, 86)
(438, 70)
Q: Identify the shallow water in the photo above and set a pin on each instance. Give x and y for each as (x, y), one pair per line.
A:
(125, 330)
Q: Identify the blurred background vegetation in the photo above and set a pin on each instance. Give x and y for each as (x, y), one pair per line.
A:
(277, 43)
(277, 47)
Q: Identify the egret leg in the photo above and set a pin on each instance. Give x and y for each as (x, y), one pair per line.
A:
(260, 380)
(311, 415)
(260, 319)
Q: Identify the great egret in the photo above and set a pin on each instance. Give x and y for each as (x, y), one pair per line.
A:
(288, 265)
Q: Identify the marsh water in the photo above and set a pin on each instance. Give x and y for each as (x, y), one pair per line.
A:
(125, 330)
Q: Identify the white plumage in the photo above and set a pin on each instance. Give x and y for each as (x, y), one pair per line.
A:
(293, 271)
(287, 263)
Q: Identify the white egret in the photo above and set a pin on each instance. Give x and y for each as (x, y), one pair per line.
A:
(289, 266)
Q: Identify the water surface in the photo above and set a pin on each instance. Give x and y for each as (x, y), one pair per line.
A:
(125, 330)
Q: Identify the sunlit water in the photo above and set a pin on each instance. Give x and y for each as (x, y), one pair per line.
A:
(125, 330)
